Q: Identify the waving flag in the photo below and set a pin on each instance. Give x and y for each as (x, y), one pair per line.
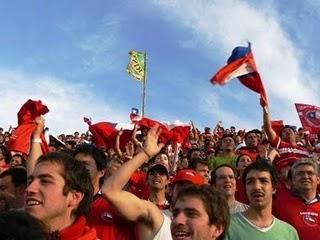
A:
(241, 65)
(136, 66)
(176, 132)
(310, 117)
(105, 133)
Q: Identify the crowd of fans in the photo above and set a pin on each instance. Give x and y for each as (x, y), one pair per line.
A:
(223, 183)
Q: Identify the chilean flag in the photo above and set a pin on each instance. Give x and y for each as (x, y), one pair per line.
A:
(310, 118)
(176, 132)
(241, 65)
(105, 133)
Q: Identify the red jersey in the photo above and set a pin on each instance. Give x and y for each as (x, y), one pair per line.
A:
(303, 216)
(107, 222)
(289, 153)
(241, 194)
(78, 231)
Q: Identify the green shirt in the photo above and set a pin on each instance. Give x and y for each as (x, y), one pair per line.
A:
(216, 161)
(241, 229)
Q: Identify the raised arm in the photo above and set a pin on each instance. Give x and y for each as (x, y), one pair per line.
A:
(117, 143)
(267, 122)
(35, 147)
(130, 206)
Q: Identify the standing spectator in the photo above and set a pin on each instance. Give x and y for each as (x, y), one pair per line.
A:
(14, 182)
(228, 155)
(301, 208)
(151, 222)
(60, 194)
(199, 212)
(288, 149)
(258, 222)
(224, 179)
(201, 166)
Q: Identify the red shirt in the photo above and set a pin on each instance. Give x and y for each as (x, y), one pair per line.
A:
(241, 194)
(289, 153)
(79, 230)
(303, 216)
(107, 222)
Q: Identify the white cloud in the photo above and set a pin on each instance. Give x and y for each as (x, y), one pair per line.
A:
(222, 25)
(68, 102)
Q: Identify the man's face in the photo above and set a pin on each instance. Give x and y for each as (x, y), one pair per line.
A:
(227, 143)
(204, 171)
(305, 179)
(191, 221)
(195, 154)
(259, 189)
(225, 181)
(6, 185)
(90, 164)
(288, 134)
(157, 178)
(44, 195)
(252, 139)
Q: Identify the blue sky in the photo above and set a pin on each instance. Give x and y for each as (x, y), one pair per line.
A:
(72, 55)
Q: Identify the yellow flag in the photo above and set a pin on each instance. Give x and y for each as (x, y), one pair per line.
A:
(136, 66)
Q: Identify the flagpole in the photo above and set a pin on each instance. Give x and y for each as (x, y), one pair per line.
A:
(144, 85)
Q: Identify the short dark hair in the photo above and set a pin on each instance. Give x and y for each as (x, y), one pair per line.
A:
(195, 161)
(213, 201)
(98, 155)
(227, 135)
(20, 225)
(18, 176)
(256, 131)
(213, 172)
(6, 153)
(76, 177)
(262, 165)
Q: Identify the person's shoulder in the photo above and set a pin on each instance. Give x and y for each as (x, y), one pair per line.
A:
(284, 226)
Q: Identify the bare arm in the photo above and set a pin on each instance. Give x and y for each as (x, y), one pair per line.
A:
(117, 143)
(35, 148)
(267, 123)
(130, 206)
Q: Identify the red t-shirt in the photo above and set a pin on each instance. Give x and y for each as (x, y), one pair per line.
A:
(240, 194)
(79, 230)
(289, 153)
(304, 217)
(107, 222)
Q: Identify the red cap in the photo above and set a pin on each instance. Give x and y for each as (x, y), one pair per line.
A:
(188, 175)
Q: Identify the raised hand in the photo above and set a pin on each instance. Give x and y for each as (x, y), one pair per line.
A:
(151, 146)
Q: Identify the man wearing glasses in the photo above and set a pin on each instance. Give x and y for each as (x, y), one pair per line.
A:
(301, 208)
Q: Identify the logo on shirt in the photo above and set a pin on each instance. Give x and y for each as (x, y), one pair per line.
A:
(106, 216)
(310, 218)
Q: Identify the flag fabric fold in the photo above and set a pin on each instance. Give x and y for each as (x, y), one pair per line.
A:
(21, 135)
(310, 118)
(136, 66)
(105, 133)
(176, 132)
(241, 65)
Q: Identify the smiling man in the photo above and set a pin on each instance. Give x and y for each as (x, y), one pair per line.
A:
(302, 205)
(199, 212)
(60, 194)
(224, 179)
(260, 179)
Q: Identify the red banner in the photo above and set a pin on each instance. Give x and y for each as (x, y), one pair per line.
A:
(310, 118)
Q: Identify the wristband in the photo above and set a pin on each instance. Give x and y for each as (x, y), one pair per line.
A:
(148, 155)
(36, 140)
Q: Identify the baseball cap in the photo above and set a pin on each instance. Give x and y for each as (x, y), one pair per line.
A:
(158, 165)
(188, 175)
